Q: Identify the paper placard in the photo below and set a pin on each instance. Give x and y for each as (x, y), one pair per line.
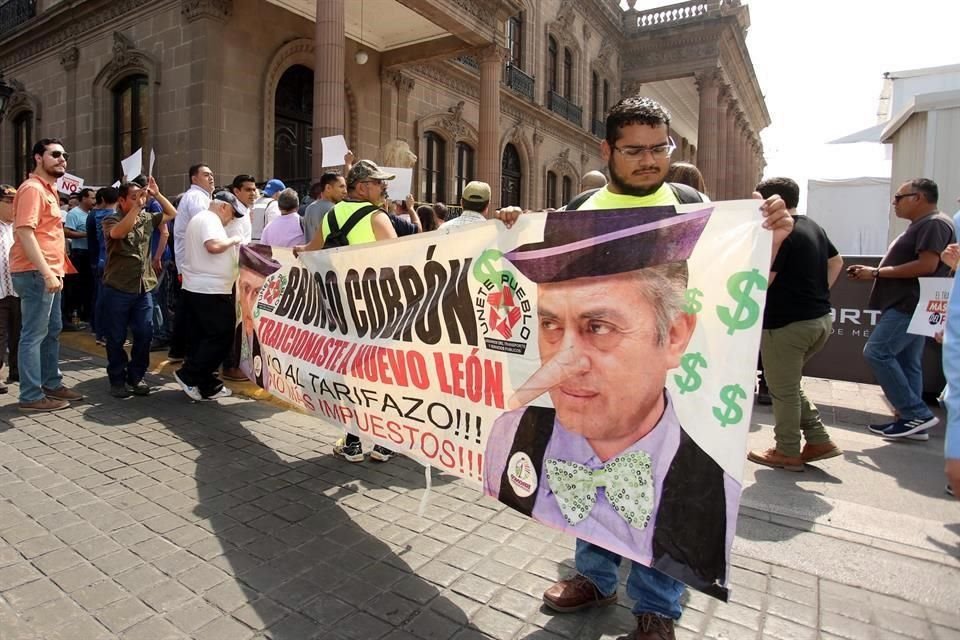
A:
(401, 186)
(153, 158)
(333, 149)
(69, 183)
(133, 164)
(930, 316)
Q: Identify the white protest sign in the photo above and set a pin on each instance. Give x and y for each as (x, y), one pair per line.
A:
(133, 164)
(930, 315)
(115, 184)
(401, 186)
(333, 149)
(153, 158)
(69, 183)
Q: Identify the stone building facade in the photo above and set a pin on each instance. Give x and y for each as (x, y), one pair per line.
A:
(512, 92)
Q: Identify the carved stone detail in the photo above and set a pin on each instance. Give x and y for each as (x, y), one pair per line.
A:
(453, 121)
(70, 58)
(492, 52)
(219, 10)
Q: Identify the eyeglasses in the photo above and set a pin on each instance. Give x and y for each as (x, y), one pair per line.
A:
(659, 151)
(901, 196)
(56, 155)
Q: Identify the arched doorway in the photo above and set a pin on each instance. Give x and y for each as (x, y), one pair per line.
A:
(292, 147)
(510, 177)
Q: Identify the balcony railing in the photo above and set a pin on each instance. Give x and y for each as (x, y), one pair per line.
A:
(13, 13)
(469, 61)
(675, 13)
(560, 105)
(516, 79)
(599, 128)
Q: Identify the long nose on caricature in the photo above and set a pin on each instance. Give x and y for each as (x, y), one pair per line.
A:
(561, 367)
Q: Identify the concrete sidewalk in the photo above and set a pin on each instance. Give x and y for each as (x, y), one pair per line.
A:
(153, 518)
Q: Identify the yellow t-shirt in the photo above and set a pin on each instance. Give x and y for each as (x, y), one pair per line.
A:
(605, 199)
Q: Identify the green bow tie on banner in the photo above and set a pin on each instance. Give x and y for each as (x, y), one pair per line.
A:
(627, 480)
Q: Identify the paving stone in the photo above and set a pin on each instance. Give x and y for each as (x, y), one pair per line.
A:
(123, 614)
(496, 624)
(117, 562)
(96, 596)
(432, 626)
(52, 615)
(391, 608)
(32, 594)
(475, 587)
(230, 596)
(223, 629)
(202, 577)
(193, 615)
(153, 629)
(328, 610)
(260, 613)
(791, 591)
(780, 629)
(17, 574)
(166, 596)
(902, 624)
(846, 627)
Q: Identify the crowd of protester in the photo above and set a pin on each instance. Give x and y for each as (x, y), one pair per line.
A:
(145, 272)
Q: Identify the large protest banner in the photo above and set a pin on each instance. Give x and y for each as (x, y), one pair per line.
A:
(593, 370)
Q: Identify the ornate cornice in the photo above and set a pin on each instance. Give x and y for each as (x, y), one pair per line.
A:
(219, 10)
(65, 25)
(442, 75)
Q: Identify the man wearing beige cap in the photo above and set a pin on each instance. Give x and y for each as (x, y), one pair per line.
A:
(476, 205)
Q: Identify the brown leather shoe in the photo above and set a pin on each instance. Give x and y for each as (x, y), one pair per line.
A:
(62, 393)
(773, 458)
(650, 626)
(236, 374)
(44, 404)
(575, 594)
(821, 451)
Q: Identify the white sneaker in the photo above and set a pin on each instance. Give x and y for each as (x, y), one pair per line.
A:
(192, 392)
(223, 393)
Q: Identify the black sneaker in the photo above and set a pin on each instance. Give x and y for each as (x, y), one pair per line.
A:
(763, 395)
(13, 377)
(381, 454)
(140, 388)
(905, 428)
(352, 452)
(120, 391)
(879, 429)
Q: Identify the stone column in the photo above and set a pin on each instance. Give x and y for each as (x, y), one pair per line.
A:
(707, 128)
(405, 86)
(748, 175)
(205, 21)
(491, 60)
(734, 164)
(69, 60)
(388, 119)
(328, 78)
(536, 172)
(722, 187)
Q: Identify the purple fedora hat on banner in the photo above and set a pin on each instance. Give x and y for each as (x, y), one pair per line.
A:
(584, 244)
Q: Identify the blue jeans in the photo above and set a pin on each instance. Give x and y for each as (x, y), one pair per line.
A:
(651, 591)
(124, 310)
(39, 336)
(895, 358)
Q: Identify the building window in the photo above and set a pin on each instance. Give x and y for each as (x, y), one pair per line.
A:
(22, 146)
(131, 110)
(551, 190)
(567, 193)
(465, 166)
(511, 177)
(552, 64)
(567, 74)
(515, 40)
(434, 169)
(606, 97)
(594, 96)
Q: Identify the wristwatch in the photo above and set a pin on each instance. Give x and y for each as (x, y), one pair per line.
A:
(876, 273)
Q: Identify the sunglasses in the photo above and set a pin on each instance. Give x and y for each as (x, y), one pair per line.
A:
(56, 155)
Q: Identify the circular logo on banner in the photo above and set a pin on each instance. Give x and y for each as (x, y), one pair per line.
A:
(257, 366)
(521, 475)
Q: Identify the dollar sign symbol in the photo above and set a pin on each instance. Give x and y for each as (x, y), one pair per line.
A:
(693, 304)
(485, 267)
(732, 414)
(689, 364)
(740, 286)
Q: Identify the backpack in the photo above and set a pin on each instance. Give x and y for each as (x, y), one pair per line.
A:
(684, 194)
(337, 236)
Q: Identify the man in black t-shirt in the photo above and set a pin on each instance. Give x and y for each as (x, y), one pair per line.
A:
(796, 325)
(893, 354)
